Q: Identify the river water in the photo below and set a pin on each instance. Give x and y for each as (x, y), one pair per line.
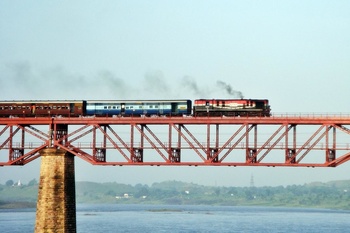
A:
(164, 218)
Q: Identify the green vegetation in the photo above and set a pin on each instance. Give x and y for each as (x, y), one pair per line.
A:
(332, 195)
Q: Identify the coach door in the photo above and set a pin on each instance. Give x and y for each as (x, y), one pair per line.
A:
(71, 108)
(174, 110)
(161, 108)
(122, 109)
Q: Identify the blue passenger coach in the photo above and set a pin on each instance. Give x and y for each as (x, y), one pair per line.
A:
(138, 107)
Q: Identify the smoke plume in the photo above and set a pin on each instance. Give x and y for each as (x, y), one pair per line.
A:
(25, 81)
(229, 89)
(191, 85)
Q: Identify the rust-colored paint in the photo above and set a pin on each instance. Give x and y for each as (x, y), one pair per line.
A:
(143, 144)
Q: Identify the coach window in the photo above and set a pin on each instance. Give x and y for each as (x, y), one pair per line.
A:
(217, 103)
(223, 103)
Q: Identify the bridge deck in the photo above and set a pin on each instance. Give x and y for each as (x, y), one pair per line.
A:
(309, 119)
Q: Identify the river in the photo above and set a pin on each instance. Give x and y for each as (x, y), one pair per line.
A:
(171, 218)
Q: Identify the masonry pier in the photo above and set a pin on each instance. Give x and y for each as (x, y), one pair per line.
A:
(56, 206)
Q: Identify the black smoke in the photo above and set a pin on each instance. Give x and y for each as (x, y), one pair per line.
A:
(25, 81)
(229, 89)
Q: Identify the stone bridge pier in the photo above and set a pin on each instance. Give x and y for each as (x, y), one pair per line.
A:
(56, 207)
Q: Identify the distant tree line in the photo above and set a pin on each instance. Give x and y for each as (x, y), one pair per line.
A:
(321, 195)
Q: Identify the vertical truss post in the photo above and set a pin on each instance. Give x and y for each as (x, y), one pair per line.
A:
(103, 152)
(212, 151)
(139, 151)
(169, 140)
(217, 136)
(173, 152)
(334, 142)
(179, 135)
(327, 146)
(10, 144)
(104, 137)
(142, 137)
(286, 143)
(23, 140)
(208, 142)
(176, 152)
(330, 151)
(255, 137)
(290, 151)
(251, 151)
(136, 152)
(51, 133)
(94, 150)
(100, 152)
(132, 152)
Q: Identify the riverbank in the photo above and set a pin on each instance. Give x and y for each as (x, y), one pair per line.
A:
(330, 195)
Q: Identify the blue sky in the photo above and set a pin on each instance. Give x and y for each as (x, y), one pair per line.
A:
(294, 53)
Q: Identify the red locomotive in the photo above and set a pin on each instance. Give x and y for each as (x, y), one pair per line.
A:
(231, 107)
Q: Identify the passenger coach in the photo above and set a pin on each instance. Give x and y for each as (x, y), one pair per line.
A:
(138, 107)
(42, 108)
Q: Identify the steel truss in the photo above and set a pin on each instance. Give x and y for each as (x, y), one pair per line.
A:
(206, 141)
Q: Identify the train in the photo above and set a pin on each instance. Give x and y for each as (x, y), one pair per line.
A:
(137, 108)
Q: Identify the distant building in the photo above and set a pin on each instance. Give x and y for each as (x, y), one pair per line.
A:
(18, 183)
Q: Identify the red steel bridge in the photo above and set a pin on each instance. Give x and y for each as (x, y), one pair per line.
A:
(283, 140)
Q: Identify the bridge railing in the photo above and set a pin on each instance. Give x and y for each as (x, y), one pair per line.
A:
(310, 115)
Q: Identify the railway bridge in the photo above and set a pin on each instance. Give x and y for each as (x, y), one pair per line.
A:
(309, 140)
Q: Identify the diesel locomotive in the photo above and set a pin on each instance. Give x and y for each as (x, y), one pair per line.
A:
(129, 108)
(231, 107)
